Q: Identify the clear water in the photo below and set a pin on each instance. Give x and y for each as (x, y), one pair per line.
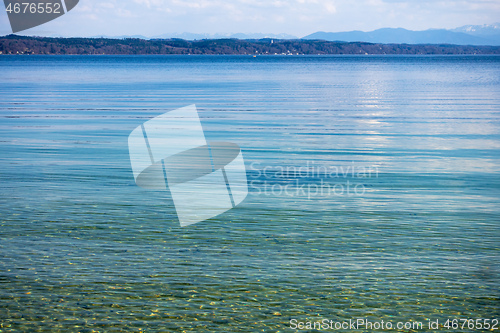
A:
(83, 249)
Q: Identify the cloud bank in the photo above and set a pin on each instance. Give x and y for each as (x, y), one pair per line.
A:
(297, 17)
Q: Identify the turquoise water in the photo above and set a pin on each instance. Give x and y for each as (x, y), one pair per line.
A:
(415, 237)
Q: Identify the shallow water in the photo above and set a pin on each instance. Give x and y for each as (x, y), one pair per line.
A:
(412, 234)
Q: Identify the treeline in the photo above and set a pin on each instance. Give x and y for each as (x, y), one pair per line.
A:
(13, 44)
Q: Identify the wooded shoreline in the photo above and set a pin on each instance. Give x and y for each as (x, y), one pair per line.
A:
(13, 44)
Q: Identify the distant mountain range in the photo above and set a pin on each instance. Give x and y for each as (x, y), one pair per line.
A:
(466, 35)
(194, 36)
(486, 30)
(488, 34)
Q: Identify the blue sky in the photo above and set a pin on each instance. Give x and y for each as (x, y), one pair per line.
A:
(295, 17)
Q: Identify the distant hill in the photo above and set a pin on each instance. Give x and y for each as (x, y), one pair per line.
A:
(403, 36)
(13, 44)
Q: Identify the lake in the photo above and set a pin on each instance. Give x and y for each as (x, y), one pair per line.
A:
(408, 230)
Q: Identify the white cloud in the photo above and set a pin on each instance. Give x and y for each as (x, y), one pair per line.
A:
(330, 7)
(299, 17)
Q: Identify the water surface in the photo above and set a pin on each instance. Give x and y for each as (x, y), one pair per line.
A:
(82, 248)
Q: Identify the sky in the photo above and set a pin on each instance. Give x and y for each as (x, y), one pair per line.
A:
(295, 17)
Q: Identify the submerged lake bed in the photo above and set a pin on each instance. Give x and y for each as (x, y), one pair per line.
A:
(374, 187)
